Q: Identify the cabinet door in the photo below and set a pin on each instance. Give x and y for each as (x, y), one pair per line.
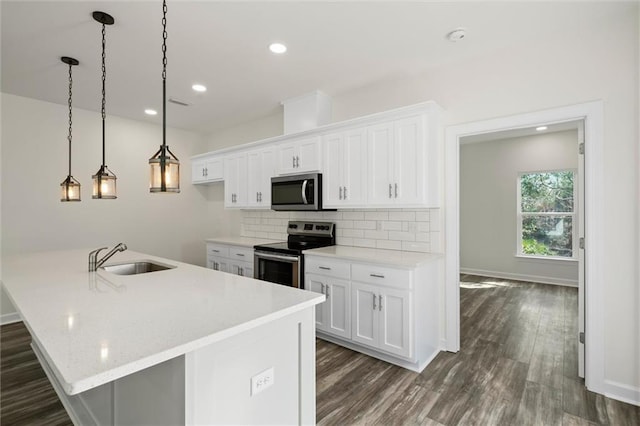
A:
(381, 189)
(260, 169)
(241, 268)
(316, 284)
(395, 321)
(409, 162)
(198, 171)
(235, 183)
(309, 157)
(334, 164)
(364, 314)
(354, 168)
(338, 307)
(287, 158)
(217, 263)
(214, 169)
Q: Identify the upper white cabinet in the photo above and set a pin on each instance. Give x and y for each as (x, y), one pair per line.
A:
(260, 168)
(399, 164)
(345, 168)
(384, 160)
(299, 156)
(207, 169)
(235, 181)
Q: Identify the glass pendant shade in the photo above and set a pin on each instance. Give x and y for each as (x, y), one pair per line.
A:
(104, 184)
(169, 181)
(70, 189)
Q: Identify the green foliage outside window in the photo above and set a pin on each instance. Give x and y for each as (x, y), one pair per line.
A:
(547, 205)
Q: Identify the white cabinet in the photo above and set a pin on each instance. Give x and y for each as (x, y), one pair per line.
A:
(229, 258)
(345, 168)
(207, 169)
(398, 163)
(299, 156)
(332, 316)
(392, 311)
(260, 169)
(382, 318)
(235, 181)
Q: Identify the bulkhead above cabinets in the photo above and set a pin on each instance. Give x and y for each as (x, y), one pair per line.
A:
(384, 160)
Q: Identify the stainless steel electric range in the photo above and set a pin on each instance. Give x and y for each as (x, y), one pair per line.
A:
(283, 263)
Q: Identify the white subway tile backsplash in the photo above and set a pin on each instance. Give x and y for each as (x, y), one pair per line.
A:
(364, 224)
(389, 244)
(402, 236)
(401, 215)
(377, 215)
(393, 229)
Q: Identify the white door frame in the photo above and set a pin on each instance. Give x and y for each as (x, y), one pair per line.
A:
(592, 114)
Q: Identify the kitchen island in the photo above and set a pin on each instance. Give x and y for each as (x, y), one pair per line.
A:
(185, 345)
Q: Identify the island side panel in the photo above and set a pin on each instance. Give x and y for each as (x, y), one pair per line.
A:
(221, 379)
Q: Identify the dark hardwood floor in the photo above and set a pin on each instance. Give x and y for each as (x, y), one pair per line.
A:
(517, 366)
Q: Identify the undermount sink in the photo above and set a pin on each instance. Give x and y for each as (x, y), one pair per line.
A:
(134, 268)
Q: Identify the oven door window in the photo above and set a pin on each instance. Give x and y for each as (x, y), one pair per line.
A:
(278, 271)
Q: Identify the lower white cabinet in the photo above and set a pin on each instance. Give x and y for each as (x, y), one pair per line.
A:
(332, 316)
(387, 312)
(229, 258)
(381, 318)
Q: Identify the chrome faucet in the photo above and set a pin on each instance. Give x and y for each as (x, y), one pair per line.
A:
(94, 263)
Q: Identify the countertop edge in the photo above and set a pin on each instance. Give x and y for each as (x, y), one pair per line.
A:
(83, 385)
(428, 257)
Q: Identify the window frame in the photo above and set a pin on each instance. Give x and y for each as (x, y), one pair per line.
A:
(574, 216)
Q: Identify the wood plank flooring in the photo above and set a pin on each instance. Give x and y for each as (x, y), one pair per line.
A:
(517, 366)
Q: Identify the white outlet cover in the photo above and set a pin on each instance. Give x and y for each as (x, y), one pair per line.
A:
(262, 381)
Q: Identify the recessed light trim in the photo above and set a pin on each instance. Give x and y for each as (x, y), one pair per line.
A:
(199, 88)
(277, 48)
(150, 111)
(541, 128)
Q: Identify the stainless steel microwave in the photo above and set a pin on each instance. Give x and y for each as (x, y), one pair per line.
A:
(298, 192)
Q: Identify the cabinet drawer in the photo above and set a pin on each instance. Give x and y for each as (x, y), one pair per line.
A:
(242, 254)
(398, 278)
(326, 267)
(217, 250)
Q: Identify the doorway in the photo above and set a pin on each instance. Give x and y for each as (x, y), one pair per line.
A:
(521, 220)
(591, 115)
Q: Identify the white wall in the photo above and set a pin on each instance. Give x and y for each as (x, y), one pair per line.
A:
(488, 204)
(601, 62)
(34, 163)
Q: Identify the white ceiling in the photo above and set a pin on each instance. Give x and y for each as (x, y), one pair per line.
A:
(333, 46)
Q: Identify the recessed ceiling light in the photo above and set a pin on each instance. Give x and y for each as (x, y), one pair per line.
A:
(150, 111)
(457, 34)
(541, 128)
(199, 88)
(277, 48)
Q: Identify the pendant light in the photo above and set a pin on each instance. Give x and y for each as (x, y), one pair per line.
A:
(104, 181)
(70, 187)
(165, 167)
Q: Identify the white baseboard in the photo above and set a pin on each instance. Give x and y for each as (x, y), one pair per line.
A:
(10, 318)
(520, 277)
(622, 392)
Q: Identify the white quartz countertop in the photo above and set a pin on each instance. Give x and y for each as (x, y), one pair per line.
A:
(96, 327)
(397, 258)
(241, 241)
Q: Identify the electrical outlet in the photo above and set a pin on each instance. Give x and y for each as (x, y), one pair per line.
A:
(262, 381)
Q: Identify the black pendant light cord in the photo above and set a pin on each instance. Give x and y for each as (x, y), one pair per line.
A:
(164, 75)
(70, 114)
(104, 79)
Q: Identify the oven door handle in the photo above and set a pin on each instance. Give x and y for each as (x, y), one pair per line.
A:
(304, 191)
(277, 257)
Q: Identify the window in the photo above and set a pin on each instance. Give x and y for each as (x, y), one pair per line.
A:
(546, 214)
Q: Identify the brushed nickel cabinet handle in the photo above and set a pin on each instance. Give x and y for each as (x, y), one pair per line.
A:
(326, 268)
(374, 302)
(376, 275)
(390, 189)
(396, 190)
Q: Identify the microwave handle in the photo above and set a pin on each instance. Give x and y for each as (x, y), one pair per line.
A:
(304, 191)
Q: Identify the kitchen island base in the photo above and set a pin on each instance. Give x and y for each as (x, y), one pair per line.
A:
(221, 383)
